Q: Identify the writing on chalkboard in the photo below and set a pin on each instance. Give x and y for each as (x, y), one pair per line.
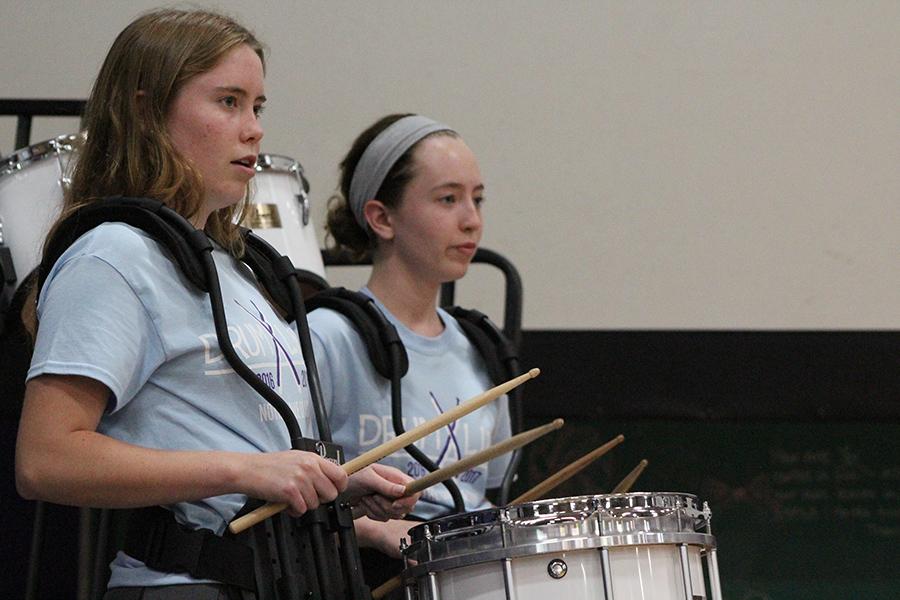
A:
(835, 484)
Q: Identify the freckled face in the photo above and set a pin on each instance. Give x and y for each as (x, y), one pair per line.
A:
(213, 122)
(437, 225)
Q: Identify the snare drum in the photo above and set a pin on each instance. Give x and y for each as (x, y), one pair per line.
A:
(637, 546)
(31, 190)
(279, 213)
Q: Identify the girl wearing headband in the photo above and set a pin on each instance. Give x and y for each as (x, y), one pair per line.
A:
(411, 194)
(129, 401)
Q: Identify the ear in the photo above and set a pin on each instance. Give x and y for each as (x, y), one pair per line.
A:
(379, 218)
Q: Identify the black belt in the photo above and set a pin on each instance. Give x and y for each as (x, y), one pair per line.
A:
(160, 542)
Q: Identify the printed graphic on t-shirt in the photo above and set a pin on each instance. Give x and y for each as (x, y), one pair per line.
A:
(443, 447)
(268, 352)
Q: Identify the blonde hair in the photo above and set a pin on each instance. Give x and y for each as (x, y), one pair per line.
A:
(128, 150)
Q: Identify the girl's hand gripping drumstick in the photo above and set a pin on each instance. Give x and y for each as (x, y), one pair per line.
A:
(568, 471)
(507, 445)
(413, 435)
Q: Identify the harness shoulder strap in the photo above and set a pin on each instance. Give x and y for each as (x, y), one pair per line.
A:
(378, 334)
(499, 353)
(169, 228)
(180, 238)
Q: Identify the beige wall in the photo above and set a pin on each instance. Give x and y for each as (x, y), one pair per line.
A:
(660, 164)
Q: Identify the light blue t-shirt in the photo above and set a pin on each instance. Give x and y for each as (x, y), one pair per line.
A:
(444, 371)
(117, 309)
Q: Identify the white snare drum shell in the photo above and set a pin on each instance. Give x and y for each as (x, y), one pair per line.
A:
(31, 192)
(637, 573)
(640, 546)
(529, 579)
(648, 572)
(278, 215)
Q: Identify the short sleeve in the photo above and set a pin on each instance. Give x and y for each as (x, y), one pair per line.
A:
(93, 324)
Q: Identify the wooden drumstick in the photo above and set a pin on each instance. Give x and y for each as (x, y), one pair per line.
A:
(629, 480)
(401, 441)
(507, 445)
(568, 471)
(387, 587)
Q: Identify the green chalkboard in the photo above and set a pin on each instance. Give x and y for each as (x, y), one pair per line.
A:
(799, 510)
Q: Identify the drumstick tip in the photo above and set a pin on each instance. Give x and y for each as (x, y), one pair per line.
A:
(557, 423)
(534, 372)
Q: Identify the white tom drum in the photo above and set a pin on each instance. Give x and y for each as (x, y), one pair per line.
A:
(32, 180)
(31, 190)
(279, 212)
(637, 546)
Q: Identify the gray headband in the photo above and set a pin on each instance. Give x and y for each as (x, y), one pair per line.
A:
(379, 156)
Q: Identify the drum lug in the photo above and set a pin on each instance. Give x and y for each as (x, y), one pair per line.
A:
(303, 199)
(404, 547)
(302, 196)
(557, 568)
(63, 143)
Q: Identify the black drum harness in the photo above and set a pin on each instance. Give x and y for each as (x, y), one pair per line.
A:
(315, 556)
